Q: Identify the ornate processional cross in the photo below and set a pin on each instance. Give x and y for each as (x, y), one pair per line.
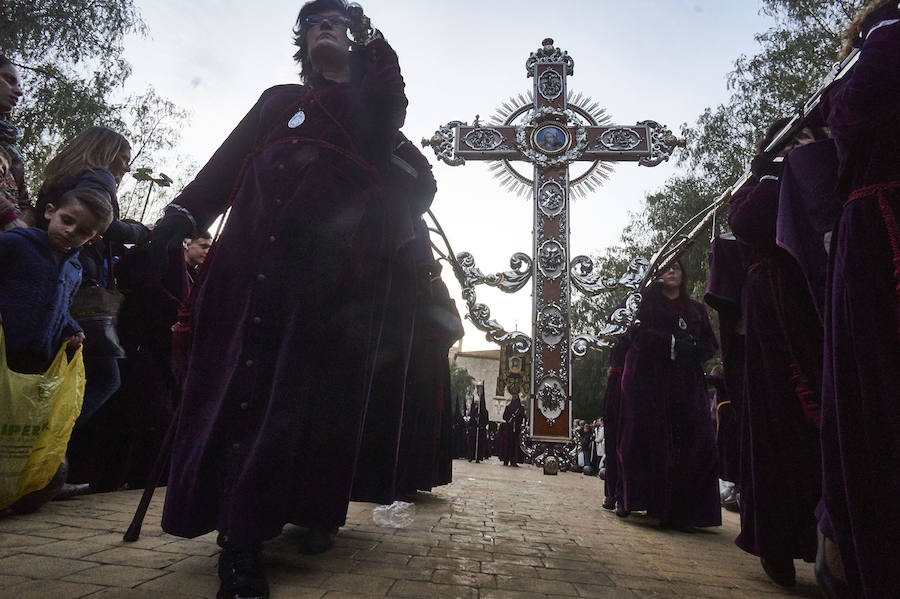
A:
(550, 129)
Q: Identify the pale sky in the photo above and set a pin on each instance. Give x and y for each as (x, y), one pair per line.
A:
(664, 60)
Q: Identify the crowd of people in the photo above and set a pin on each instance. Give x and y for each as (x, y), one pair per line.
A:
(805, 422)
(317, 326)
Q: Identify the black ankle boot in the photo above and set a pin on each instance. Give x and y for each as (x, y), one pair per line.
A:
(782, 572)
(621, 512)
(318, 540)
(242, 574)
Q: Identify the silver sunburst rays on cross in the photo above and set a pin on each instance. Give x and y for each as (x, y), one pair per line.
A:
(522, 185)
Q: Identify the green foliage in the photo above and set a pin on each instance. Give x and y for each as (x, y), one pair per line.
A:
(462, 384)
(794, 56)
(70, 55)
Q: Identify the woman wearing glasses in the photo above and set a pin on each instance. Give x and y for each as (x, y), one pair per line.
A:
(666, 437)
(288, 321)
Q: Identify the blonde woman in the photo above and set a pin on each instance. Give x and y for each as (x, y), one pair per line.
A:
(96, 158)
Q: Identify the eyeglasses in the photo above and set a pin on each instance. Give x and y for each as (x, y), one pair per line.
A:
(316, 20)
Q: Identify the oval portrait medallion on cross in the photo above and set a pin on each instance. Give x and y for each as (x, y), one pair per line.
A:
(550, 139)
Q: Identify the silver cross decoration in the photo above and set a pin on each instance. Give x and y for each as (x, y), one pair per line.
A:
(550, 128)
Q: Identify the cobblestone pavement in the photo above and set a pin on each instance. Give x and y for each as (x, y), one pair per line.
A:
(494, 533)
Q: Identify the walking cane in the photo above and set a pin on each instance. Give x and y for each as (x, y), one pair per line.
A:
(134, 529)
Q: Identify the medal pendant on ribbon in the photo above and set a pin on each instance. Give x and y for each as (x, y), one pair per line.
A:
(297, 119)
(682, 324)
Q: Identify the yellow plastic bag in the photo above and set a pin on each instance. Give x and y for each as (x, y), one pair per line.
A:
(37, 412)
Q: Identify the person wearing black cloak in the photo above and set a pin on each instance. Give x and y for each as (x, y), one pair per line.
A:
(287, 324)
(513, 419)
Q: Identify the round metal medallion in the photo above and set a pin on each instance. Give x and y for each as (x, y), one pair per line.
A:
(550, 139)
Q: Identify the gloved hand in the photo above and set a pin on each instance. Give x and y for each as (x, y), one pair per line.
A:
(762, 165)
(687, 352)
(171, 229)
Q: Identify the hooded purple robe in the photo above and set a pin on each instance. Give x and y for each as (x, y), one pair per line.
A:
(861, 385)
(612, 487)
(723, 294)
(288, 322)
(666, 437)
(780, 475)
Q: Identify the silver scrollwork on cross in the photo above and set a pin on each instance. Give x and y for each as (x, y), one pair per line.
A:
(551, 129)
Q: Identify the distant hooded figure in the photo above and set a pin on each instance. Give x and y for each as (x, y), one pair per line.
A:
(288, 322)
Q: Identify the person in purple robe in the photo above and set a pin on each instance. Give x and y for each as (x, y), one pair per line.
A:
(666, 438)
(861, 383)
(779, 477)
(288, 320)
(723, 294)
(612, 489)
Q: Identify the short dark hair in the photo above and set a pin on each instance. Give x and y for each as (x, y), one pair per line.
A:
(301, 29)
(200, 235)
(95, 201)
(4, 61)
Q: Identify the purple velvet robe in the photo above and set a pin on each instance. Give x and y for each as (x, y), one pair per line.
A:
(666, 437)
(723, 294)
(807, 209)
(376, 478)
(612, 484)
(861, 386)
(288, 322)
(780, 474)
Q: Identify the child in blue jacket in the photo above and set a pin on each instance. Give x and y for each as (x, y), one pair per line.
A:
(39, 274)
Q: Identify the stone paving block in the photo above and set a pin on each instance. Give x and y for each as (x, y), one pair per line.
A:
(397, 571)
(145, 541)
(536, 585)
(70, 548)
(408, 588)
(470, 579)
(49, 589)
(116, 576)
(188, 547)
(586, 577)
(522, 560)
(41, 566)
(8, 580)
(445, 563)
(508, 569)
(196, 564)
(590, 591)
(130, 556)
(286, 591)
(134, 594)
(400, 559)
(11, 540)
(180, 584)
(355, 583)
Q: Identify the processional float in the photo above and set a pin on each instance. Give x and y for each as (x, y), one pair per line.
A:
(553, 128)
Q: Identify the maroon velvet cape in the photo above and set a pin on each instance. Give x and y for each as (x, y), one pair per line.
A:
(288, 322)
(861, 388)
(666, 437)
(780, 474)
(723, 294)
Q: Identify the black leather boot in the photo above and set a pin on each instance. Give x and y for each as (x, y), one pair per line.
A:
(242, 574)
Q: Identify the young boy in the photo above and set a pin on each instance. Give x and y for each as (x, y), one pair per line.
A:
(39, 274)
